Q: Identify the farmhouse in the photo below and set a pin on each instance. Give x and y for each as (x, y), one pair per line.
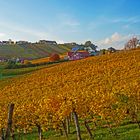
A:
(76, 55)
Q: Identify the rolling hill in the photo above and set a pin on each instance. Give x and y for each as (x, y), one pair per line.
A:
(32, 51)
(103, 90)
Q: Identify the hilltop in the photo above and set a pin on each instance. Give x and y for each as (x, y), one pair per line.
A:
(44, 48)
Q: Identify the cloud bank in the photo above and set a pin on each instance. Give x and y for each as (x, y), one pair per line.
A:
(115, 40)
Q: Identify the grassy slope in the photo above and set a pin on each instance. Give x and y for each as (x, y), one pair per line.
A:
(31, 50)
(124, 132)
(21, 71)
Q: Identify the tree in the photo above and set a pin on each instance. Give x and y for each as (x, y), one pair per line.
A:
(89, 44)
(111, 49)
(54, 57)
(131, 44)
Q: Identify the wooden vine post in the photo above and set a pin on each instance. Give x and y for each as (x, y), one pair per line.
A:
(9, 121)
(77, 125)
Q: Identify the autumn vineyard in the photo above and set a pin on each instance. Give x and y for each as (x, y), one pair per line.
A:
(99, 91)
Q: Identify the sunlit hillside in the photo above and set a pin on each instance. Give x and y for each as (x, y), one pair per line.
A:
(104, 87)
(31, 51)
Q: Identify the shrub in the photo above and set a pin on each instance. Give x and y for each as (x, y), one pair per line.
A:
(54, 57)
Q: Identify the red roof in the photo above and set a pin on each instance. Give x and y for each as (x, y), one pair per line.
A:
(77, 55)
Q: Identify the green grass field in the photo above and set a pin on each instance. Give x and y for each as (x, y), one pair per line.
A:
(124, 132)
(5, 73)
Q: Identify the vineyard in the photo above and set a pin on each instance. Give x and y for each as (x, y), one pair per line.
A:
(33, 51)
(101, 91)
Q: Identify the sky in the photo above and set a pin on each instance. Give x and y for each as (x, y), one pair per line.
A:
(107, 23)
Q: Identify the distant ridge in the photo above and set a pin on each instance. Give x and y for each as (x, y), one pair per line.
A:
(32, 51)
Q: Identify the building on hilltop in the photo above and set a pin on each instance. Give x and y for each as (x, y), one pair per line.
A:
(71, 44)
(77, 53)
(9, 42)
(22, 42)
(47, 42)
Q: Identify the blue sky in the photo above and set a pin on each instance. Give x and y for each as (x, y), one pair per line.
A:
(104, 22)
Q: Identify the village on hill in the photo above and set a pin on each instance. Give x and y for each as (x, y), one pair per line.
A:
(73, 50)
(69, 69)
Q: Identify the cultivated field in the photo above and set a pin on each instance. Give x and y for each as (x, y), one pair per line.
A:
(97, 97)
(32, 51)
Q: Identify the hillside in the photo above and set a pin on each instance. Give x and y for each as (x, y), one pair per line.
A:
(31, 50)
(103, 90)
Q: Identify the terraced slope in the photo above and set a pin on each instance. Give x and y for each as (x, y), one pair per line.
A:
(31, 50)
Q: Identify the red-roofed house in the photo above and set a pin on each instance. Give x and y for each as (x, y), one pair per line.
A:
(78, 55)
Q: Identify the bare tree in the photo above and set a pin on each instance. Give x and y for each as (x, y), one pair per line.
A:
(131, 44)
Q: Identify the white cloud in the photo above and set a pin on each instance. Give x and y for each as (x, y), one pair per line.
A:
(115, 40)
(110, 40)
